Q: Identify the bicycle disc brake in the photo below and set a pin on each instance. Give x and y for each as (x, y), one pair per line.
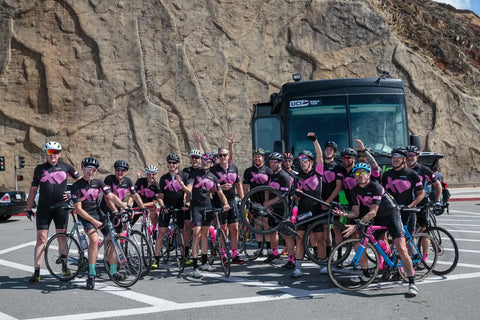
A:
(286, 228)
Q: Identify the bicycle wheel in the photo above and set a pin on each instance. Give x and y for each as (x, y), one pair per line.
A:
(63, 257)
(179, 250)
(447, 250)
(356, 268)
(224, 252)
(165, 251)
(254, 214)
(129, 261)
(309, 244)
(145, 250)
(423, 260)
(252, 243)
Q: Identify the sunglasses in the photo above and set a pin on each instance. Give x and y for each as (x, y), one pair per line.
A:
(52, 151)
(194, 157)
(411, 155)
(360, 173)
(151, 174)
(222, 155)
(90, 168)
(121, 169)
(303, 159)
(274, 161)
(347, 157)
(171, 163)
(288, 160)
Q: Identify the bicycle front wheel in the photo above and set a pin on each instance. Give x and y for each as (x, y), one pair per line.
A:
(311, 243)
(259, 218)
(252, 243)
(225, 256)
(63, 257)
(447, 250)
(141, 242)
(128, 259)
(179, 250)
(352, 267)
(423, 253)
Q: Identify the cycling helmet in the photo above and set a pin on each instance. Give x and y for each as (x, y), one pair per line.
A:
(306, 153)
(121, 164)
(90, 162)
(400, 151)
(349, 152)
(288, 155)
(52, 145)
(173, 157)
(412, 149)
(259, 151)
(214, 153)
(195, 153)
(151, 170)
(276, 156)
(206, 157)
(332, 144)
(361, 166)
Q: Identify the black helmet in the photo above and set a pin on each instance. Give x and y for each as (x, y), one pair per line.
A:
(173, 157)
(332, 144)
(411, 149)
(400, 151)
(306, 153)
(90, 162)
(349, 152)
(259, 151)
(121, 164)
(276, 156)
(288, 155)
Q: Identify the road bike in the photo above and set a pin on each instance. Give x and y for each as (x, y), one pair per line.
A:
(173, 240)
(219, 247)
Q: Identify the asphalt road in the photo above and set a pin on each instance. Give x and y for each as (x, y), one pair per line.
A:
(254, 290)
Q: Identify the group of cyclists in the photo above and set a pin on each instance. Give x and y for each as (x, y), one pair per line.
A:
(213, 181)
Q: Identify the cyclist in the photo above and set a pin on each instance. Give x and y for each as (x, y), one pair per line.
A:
(310, 184)
(120, 184)
(331, 184)
(257, 175)
(147, 188)
(365, 155)
(51, 178)
(349, 182)
(279, 180)
(171, 195)
(376, 205)
(201, 184)
(404, 185)
(288, 164)
(195, 161)
(289, 241)
(228, 178)
(85, 196)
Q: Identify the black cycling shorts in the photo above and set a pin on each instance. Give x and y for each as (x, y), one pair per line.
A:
(55, 212)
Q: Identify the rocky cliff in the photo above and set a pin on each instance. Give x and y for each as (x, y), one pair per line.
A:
(135, 79)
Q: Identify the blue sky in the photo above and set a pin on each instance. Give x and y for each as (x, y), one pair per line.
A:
(473, 5)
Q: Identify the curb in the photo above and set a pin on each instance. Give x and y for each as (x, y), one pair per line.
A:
(464, 199)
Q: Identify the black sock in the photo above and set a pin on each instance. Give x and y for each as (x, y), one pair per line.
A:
(411, 280)
(195, 263)
(204, 259)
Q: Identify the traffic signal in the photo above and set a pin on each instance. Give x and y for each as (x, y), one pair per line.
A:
(21, 161)
(19, 177)
(2, 163)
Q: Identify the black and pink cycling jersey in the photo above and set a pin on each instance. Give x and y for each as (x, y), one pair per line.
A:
(172, 190)
(426, 176)
(88, 193)
(402, 184)
(331, 174)
(52, 181)
(257, 176)
(120, 189)
(310, 184)
(373, 193)
(227, 175)
(203, 184)
(147, 192)
(281, 182)
(349, 183)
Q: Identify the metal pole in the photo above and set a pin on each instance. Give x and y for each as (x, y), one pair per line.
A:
(15, 172)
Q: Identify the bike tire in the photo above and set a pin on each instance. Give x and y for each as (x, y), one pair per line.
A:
(253, 213)
(346, 275)
(221, 237)
(307, 243)
(448, 253)
(422, 266)
(145, 250)
(252, 243)
(64, 269)
(129, 268)
(165, 251)
(179, 250)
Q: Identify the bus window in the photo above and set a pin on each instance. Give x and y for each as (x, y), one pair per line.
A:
(266, 130)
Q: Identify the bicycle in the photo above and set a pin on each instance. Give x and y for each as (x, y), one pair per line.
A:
(276, 217)
(448, 253)
(219, 247)
(146, 227)
(250, 243)
(173, 240)
(65, 257)
(349, 259)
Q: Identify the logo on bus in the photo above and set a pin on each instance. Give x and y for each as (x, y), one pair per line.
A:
(299, 103)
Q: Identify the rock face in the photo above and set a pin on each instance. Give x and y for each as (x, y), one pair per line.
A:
(135, 79)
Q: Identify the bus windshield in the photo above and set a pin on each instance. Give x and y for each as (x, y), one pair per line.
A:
(379, 120)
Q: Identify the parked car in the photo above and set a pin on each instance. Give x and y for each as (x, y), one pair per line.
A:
(12, 203)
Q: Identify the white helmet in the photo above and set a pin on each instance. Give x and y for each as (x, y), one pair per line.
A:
(195, 152)
(151, 170)
(52, 145)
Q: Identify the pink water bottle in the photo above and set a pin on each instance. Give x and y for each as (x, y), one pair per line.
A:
(293, 218)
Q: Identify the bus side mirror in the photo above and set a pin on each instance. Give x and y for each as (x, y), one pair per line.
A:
(415, 141)
(279, 146)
